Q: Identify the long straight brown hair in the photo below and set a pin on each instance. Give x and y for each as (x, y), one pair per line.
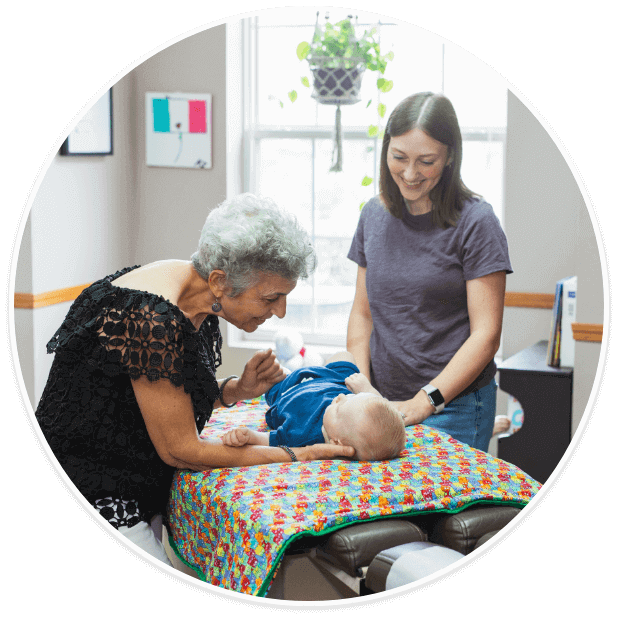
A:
(434, 114)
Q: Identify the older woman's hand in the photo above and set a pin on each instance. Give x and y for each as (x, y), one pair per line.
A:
(261, 373)
(325, 451)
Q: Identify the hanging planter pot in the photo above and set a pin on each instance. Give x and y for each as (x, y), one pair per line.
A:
(338, 60)
(337, 81)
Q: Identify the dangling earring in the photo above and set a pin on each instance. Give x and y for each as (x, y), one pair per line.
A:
(216, 306)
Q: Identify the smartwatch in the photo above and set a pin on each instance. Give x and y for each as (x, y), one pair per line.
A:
(435, 397)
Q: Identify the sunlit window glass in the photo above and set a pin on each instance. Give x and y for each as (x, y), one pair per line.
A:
(289, 145)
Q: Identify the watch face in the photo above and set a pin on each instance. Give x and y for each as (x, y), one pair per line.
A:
(436, 398)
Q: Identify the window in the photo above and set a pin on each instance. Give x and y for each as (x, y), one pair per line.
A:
(287, 147)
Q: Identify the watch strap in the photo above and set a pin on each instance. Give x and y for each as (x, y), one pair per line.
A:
(435, 397)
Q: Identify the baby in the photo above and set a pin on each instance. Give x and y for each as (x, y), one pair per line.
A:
(335, 404)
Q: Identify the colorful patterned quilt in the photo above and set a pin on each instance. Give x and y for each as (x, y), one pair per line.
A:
(232, 525)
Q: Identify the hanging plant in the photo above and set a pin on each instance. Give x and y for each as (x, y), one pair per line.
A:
(338, 60)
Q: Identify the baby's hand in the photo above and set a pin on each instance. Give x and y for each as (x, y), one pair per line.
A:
(237, 437)
(501, 424)
(358, 383)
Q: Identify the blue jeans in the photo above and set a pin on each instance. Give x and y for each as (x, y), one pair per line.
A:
(469, 419)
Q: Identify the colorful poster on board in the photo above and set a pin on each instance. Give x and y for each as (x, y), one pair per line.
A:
(179, 130)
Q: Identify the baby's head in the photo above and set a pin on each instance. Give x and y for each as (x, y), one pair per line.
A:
(368, 422)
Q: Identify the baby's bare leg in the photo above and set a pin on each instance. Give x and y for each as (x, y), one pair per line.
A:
(341, 356)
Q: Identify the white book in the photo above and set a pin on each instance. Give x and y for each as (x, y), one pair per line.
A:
(569, 306)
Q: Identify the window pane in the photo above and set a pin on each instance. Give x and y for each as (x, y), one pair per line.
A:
(334, 269)
(295, 171)
(481, 171)
(300, 312)
(419, 57)
(321, 305)
(338, 195)
(283, 171)
(417, 65)
(335, 282)
(278, 71)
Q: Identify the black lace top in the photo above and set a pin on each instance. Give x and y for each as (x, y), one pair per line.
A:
(88, 411)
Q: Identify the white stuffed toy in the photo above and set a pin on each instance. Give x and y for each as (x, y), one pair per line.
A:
(291, 352)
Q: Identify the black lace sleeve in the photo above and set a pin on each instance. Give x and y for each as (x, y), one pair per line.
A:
(123, 331)
(149, 339)
(146, 341)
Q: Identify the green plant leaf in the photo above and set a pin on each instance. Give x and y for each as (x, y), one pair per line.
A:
(280, 103)
(366, 181)
(303, 50)
(387, 86)
(304, 81)
(380, 83)
(390, 56)
(372, 131)
(292, 95)
(361, 205)
(369, 103)
(381, 110)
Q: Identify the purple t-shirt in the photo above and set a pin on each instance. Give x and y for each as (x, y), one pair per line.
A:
(416, 285)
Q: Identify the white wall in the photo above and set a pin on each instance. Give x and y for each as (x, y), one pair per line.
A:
(78, 230)
(95, 215)
(550, 236)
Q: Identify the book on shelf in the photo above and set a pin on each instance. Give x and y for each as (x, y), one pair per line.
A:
(561, 345)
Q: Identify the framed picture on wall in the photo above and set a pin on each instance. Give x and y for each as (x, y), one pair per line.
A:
(93, 133)
(179, 130)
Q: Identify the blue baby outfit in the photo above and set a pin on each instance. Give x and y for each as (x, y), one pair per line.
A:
(297, 404)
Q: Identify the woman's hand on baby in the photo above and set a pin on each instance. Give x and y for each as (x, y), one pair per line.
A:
(261, 372)
(415, 410)
(358, 383)
(325, 451)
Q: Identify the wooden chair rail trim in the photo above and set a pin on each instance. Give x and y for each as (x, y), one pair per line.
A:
(587, 332)
(46, 299)
(581, 331)
(529, 299)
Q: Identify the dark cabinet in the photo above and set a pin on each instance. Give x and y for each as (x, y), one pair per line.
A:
(546, 397)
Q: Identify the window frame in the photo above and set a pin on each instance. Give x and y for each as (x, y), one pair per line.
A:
(248, 135)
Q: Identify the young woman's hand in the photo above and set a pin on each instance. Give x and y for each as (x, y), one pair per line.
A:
(415, 410)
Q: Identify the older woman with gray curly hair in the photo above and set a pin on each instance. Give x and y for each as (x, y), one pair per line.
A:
(133, 379)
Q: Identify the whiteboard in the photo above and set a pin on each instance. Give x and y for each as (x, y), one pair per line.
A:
(179, 130)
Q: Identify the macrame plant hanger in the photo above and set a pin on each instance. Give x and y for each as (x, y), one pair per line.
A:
(336, 81)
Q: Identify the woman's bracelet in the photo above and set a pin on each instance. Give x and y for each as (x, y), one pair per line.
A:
(225, 405)
(289, 451)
